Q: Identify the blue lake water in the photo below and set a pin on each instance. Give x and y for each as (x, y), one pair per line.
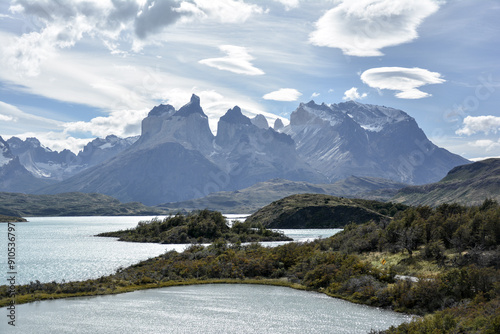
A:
(212, 308)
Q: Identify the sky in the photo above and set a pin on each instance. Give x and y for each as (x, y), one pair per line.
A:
(71, 71)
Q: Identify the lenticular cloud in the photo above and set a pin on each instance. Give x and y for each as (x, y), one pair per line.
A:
(403, 80)
(363, 27)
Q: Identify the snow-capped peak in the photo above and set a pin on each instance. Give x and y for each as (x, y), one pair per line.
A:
(371, 117)
(5, 153)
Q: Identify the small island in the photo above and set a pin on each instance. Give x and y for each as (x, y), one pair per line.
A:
(201, 227)
(11, 219)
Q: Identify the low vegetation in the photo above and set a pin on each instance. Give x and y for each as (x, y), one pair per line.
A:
(322, 211)
(450, 253)
(5, 219)
(201, 227)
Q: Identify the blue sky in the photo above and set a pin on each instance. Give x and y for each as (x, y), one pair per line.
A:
(75, 70)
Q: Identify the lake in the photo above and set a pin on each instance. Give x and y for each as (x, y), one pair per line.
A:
(212, 308)
(64, 248)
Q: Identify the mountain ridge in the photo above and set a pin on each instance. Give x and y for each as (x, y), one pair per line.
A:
(178, 158)
(469, 184)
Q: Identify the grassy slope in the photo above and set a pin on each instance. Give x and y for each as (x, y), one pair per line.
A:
(468, 184)
(321, 211)
(70, 204)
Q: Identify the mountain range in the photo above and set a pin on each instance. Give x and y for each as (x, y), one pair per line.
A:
(178, 158)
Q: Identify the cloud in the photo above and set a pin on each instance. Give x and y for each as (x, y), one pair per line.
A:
(363, 27)
(487, 144)
(118, 24)
(404, 80)
(283, 94)
(155, 15)
(289, 4)
(475, 124)
(237, 61)
(5, 118)
(227, 11)
(19, 120)
(123, 123)
(353, 95)
(315, 94)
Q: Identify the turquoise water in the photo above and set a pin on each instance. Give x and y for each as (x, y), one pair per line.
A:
(213, 308)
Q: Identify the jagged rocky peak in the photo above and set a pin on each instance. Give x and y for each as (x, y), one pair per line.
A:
(371, 117)
(161, 110)
(260, 121)
(278, 124)
(235, 116)
(193, 107)
(5, 153)
(312, 113)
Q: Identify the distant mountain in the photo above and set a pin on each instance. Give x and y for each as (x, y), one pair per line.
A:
(44, 163)
(321, 211)
(13, 175)
(178, 158)
(70, 204)
(469, 184)
(251, 199)
(351, 138)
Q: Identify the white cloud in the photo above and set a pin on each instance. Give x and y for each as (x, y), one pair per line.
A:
(352, 94)
(20, 120)
(283, 94)
(475, 124)
(404, 80)
(228, 11)
(5, 118)
(363, 27)
(237, 61)
(123, 123)
(315, 94)
(118, 24)
(289, 4)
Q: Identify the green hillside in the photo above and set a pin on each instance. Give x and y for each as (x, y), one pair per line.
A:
(70, 204)
(321, 211)
(468, 185)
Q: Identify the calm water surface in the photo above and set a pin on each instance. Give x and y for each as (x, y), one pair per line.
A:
(64, 248)
(214, 308)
